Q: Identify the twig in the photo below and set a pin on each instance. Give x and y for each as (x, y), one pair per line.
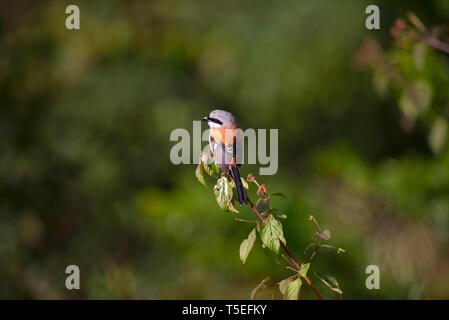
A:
(425, 36)
(283, 256)
(339, 291)
(255, 210)
(316, 249)
(244, 220)
(313, 288)
(435, 43)
(292, 269)
(291, 277)
(297, 265)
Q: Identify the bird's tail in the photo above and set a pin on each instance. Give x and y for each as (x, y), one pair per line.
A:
(241, 194)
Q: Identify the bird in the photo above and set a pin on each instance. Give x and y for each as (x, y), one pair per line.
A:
(223, 142)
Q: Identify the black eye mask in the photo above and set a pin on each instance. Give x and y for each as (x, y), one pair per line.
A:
(214, 120)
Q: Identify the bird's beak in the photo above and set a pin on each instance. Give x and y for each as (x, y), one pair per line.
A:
(206, 119)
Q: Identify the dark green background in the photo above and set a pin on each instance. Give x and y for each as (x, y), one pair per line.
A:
(85, 173)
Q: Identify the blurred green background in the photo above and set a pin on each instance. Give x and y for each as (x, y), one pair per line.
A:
(85, 120)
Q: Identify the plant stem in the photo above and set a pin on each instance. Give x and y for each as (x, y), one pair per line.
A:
(297, 265)
(284, 247)
(435, 43)
(244, 220)
(316, 249)
(314, 288)
(256, 211)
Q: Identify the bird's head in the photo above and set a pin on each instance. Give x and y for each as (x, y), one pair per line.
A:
(219, 118)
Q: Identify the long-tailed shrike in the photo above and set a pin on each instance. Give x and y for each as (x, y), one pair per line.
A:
(223, 144)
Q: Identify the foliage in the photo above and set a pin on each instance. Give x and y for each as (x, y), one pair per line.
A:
(270, 231)
(416, 70)
(85, 120)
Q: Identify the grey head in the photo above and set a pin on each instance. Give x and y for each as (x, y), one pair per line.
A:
(218, 118)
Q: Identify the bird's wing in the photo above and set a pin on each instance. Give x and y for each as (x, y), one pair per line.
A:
(223, 154)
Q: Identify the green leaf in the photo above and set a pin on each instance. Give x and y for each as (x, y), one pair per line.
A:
(419, 52)
(284, 284)
(231, 206)
(292, 291)
(271, 233)
(259, 287)
(331, 282)
(339, 250)
(312, 243)
(200, 174)
(209, 164)
(211, 167)
(438, 135)
(245, 184)
(304, 269)
(247, 245)
(278, 213)
(415, 98)
(277, 194)
(224, 191)
(261, 206)
(325, 235)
